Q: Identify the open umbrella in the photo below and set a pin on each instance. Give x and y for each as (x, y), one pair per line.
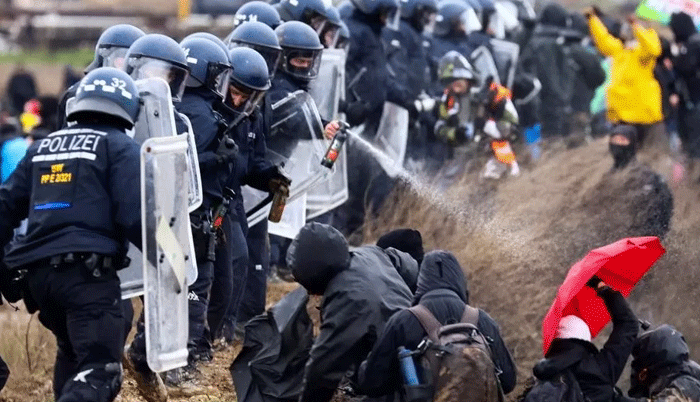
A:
(661, 10)
(620, 265)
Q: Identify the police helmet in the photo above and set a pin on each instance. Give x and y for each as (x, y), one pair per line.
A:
(112, 46)
(207, 35)
(301, 50)
(209, 65)
(257, 11)
(343, 41)
(329, 29)
(454, 66)
(249, 77)
(156, 55)
(454, 16)
(345, 9)
(106, 91)
(259, 37)
(420, 13)
(306, 11)
(386, 10)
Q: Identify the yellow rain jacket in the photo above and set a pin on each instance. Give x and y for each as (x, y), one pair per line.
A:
(634, 95)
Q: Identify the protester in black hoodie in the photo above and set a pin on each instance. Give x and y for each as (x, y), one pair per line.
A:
(546, 58)
(686, 65)
(662, 369)
(442, 289)
(361, 290)
(399, 242)
(596, 371)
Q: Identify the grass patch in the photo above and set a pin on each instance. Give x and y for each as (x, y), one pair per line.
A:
(78, 58)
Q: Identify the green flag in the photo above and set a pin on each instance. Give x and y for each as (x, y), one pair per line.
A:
(661, 10)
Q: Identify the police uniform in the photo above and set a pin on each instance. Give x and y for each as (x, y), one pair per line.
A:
(79, 190)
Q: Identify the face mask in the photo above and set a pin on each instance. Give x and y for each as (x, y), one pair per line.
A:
(622, 155)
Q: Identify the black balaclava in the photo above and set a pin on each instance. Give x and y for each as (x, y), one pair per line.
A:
(624, 154)
(556, 15)
(682, 26)
(407, 240)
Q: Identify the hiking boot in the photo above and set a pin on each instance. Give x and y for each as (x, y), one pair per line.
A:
(182, 375)
(201, 355)
(148, 384)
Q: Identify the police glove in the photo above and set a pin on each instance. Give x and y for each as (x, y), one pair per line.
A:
(228, 149)
(356, 112)
(9, 286)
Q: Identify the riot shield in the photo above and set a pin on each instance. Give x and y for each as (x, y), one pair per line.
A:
(156, 119)
(194, 178)
(296, 144)
(331, 193)
(505, 55)
(329, 87)
(392, 137)
(482, 60)
(165, 217)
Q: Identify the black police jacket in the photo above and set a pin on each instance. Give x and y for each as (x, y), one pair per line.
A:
(418, 72)
(80, 190)
(366, 51)
(597, 371)
(207, 125)
(442, 290)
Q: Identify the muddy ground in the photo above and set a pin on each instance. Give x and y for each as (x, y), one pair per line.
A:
(516, 240)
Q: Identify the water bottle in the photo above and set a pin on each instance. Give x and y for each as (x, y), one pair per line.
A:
(408, 368)
(334, 149)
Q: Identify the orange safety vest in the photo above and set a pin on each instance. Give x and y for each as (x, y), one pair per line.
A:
(503, 151)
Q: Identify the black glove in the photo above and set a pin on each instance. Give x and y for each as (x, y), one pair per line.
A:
(9, 287)
(593, 282)
(356, 112)
(228, 149)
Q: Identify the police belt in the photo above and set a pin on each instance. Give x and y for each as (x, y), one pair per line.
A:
(94, 262)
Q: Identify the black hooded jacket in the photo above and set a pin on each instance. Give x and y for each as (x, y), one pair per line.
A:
(662, 355)
(442, 289)
(687, 62)
(596, 371)
(361, 289)
(547, 57)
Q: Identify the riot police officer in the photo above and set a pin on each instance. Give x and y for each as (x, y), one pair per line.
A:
(261, 38)
(257, 11)
(79, 190)
(248, 84)
(206, 86)
(109, 52)
(209, 36)
(328, 29)
(309, 12)
(155, 55)
(300, 61)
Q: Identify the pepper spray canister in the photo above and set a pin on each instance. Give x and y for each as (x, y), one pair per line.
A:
(336, 146)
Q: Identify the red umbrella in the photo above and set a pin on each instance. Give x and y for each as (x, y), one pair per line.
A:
(620, 265)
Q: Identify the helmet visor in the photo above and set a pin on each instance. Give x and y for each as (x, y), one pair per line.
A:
(301, 63)
(469, 21)
(113, 57)
(175, 76)
(219, 76)
(271, 56)
(329, 35)
(242, 99)
(427, 18)
(391, 18)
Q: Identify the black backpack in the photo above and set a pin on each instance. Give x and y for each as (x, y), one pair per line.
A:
(562, 388)
(457, 363)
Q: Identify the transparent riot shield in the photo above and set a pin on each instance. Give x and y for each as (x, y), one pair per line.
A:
(329, 86)
(194, 178)
(483, 62)
(329, 194)
(505, 55)
(392, 137)
(165, 216)
(156, 119)
(296, 144)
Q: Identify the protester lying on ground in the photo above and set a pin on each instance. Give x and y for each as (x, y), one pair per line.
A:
(662, 369)
(361, 290)
(595, 371)
(398, 242)
(442, 290)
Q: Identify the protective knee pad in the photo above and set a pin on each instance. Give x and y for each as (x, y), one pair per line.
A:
(97, 383)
